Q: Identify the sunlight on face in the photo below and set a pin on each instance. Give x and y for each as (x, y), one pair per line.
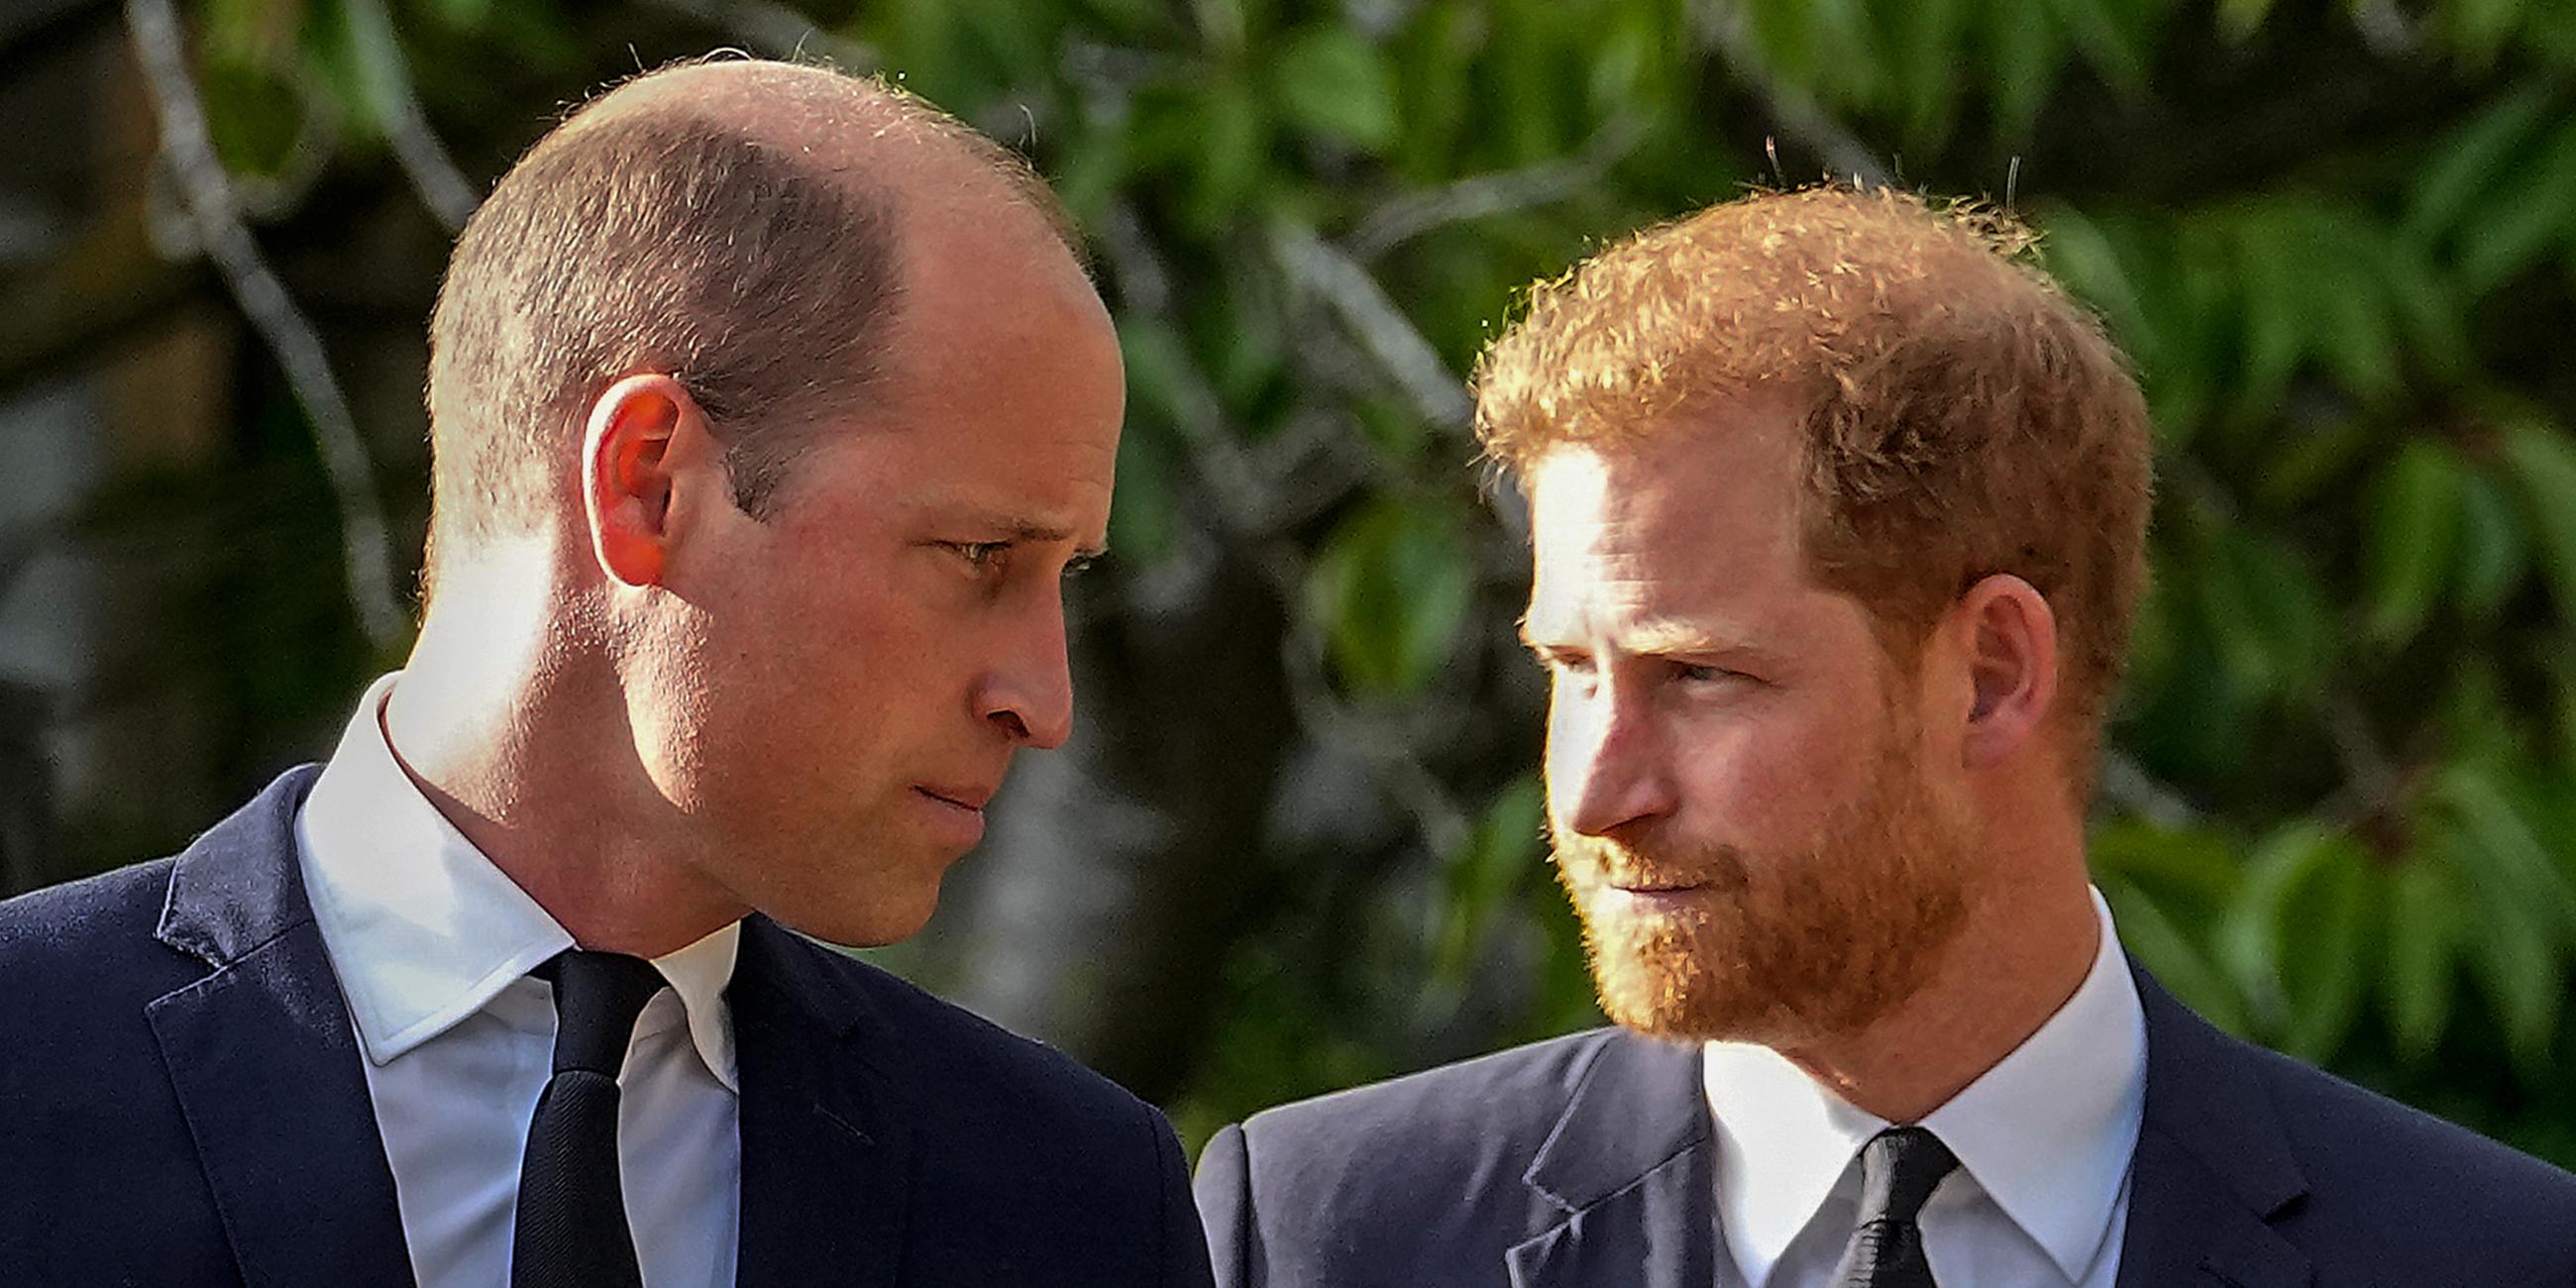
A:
(1740, 812)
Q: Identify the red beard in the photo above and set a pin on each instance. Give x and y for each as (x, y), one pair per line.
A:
(1781, 949)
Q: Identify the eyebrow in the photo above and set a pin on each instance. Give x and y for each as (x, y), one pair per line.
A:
(1660, 639)
(1032, 531)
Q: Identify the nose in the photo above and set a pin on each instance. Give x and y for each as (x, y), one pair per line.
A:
(1028, 691)
(1607, 762)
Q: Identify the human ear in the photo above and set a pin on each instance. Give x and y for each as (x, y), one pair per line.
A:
(2011, 638)
(627, 465)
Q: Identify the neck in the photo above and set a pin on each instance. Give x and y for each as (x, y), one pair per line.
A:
(2023, 952)
(514, 728)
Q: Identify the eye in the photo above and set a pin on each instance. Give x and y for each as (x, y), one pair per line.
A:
(1565, 661)
(1702, 673)
(1079, 565)
(982, 556)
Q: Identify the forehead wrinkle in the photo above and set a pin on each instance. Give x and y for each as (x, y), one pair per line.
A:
(1646, 613)
(1002, 520)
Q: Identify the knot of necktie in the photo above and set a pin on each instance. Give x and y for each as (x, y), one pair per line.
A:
(1899, 1169)
(597, 997)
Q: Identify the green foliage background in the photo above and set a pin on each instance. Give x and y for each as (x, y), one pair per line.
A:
(2338, 238)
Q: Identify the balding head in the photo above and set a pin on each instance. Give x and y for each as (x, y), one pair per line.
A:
(747, 227)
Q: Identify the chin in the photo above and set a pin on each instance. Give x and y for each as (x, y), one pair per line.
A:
(884, 921)
(1702, 983)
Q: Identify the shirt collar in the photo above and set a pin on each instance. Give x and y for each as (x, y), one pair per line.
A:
(2047, 1132)
(424, 930)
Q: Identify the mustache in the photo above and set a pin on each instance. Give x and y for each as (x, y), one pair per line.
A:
(1649, 863)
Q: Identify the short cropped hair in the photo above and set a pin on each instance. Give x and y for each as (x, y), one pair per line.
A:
(763, 277)
(1961, 416)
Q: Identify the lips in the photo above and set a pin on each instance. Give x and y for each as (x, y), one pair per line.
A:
(1654, 886)
(1637, 878)
(966, 796)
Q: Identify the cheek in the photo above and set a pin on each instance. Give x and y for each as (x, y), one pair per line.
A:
(1771, 780)
(1569, 749)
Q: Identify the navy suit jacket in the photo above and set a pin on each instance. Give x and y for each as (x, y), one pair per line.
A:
(1588, 1162)
(181, 1104)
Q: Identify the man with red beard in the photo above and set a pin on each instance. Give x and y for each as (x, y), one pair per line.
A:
(1838, 511)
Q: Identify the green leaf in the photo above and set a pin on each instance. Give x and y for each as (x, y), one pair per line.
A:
(2082, 255)
(1393, 586)
(2195, 871)
(2505, 849)
(2413, 513)
(2246, 937)
(1156, 363)
(2238, 19)
(373, 58)
(1333, 84)
(2274, 294)
(2428, 925)
(2310, 459)
(1536, 109)
(2273, 623)
(2515, 958)
(2542, 459)
(2494, 555)
(254, 32)
(1500, 855)
(1145, 521)
(2427, 309)
(1626, 57)
(2473, 717)
(2164, 948)
(1091, 169)
(2327, 958)
(2521, 977)
(253, 117)
(1438, 52)
(2471, 160)
(1229, 159)
(2479, 28)
(1791, 40)
(2118, 50)
(2028, 58)
(1927, 50)
(2226, 610)
(468, 15)
(2295, 941)
(2519, 223)
(2154, 644)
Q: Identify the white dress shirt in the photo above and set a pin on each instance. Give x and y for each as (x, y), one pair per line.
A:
(2043, 1140)
(433, 946)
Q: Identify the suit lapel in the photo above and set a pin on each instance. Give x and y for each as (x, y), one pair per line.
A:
(824, 1155)
(2212, 1167)
(1630, 1168)
(265, 1065)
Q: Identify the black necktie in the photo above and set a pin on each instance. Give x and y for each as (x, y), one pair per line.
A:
(572, 1212)
(1899, 1168)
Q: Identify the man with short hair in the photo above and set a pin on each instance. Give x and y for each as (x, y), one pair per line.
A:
(1838, 511)
(770, 409)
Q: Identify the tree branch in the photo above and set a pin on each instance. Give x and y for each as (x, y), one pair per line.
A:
(226, 239)
(1501, 192)
(424, 160)
(2130, 789)
(1373, 319)
(1801, 119)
